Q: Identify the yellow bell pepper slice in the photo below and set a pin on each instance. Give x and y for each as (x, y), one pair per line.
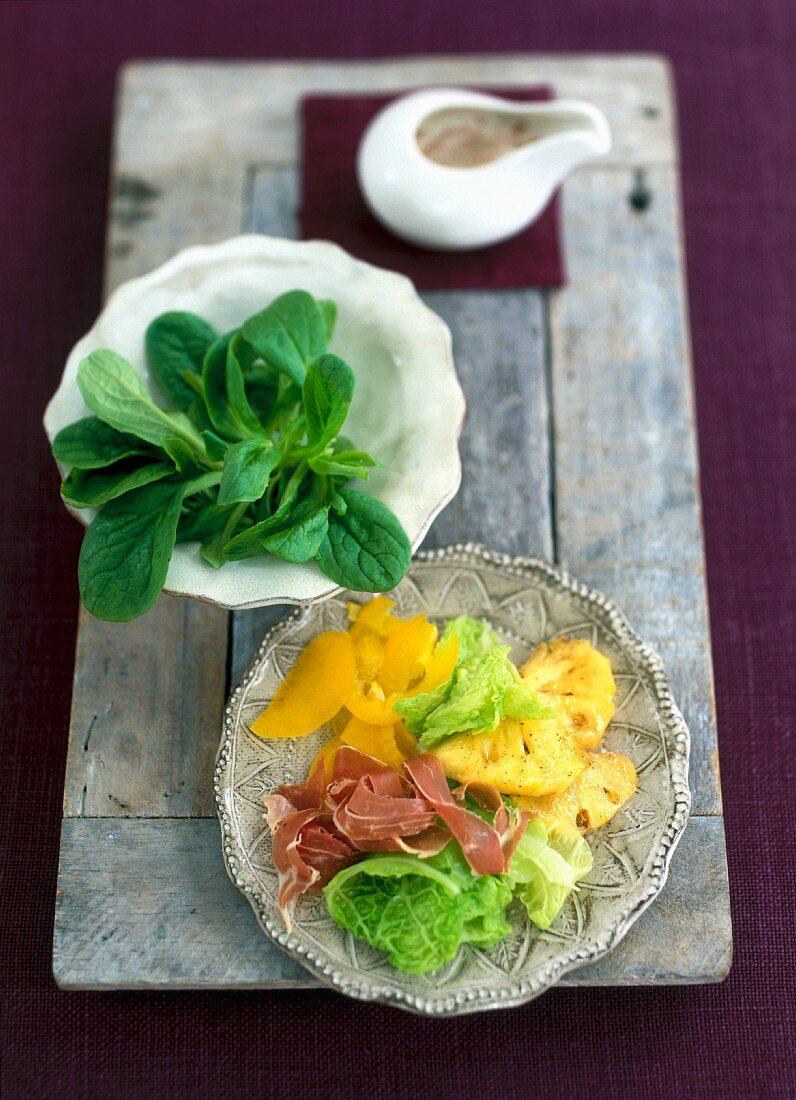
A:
(438, 669)
(406, 741)
(340, 721)
(314, 689)
(377, 741)
(369, 648)
(375, 615)
(372, 707)
(406, 654)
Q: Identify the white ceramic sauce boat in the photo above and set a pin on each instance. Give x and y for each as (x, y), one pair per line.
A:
(521, 153)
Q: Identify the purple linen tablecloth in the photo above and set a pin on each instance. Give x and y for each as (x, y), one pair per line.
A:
(735, 69)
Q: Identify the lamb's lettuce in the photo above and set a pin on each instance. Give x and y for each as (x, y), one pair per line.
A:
(482, 691)
(258, 411)
(420, 910)
(547, 864)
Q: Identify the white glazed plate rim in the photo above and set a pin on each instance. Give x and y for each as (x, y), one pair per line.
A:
(512, 991)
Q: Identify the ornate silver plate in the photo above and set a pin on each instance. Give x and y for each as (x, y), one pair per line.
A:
(525, 601)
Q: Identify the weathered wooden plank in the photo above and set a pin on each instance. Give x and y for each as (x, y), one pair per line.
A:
(178, 113)
(499, 348)
(158, 211)
(626, 489)
(148, 695)
(146, 712)
(147, 904)
(272, 200)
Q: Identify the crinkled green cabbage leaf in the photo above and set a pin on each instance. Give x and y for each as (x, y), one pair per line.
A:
(482, 691)
(420, 910)
(548, 862)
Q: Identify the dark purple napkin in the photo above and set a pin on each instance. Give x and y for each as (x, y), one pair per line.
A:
(332, 208)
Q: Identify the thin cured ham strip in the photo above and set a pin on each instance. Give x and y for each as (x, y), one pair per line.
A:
(295, 874)
(277, 808)
(510, 825)
(306, 848)
(488, 798)
(309, 794)
(350, 763)
(307, 856)
(480, 842)
(355, 767)
(426, 844)
(368, 814)
(325, 852)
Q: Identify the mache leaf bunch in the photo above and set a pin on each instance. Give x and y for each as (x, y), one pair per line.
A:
(247, 459)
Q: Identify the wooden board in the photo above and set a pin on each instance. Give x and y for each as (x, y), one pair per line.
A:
(581, 401)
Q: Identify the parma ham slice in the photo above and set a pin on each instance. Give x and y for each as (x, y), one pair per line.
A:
(318, 828)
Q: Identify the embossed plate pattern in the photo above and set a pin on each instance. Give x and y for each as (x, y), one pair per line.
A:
(526, 601)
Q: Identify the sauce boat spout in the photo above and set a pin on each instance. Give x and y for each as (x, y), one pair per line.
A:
(451, 169)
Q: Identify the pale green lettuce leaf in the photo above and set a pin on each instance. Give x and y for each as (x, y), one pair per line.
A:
(545, 868)
(482, 691)
(475, 637)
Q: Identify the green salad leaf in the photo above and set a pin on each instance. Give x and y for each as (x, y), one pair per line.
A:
(126, 551)
(327, 392)
(345, 464)
(250, 461)
(545, 868)
(329, 310)
(301, 534)
(176, 344)
(475, 637)
(224, 418)
(482, 691)
(247, 468)
(365, 548)
(90, 488)
(420, 911)
(290, 333)
(90, 444)
(113, 391)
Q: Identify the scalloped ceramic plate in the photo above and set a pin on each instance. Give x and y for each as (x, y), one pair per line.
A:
(407, 410)
(525, 601)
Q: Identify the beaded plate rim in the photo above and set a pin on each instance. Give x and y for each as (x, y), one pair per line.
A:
(504, 993)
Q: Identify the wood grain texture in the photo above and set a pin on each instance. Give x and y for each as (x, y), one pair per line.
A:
(499, 347)
(174, 113)
(272, 199)
(147, 904)
(146, 713)
(627, 511)
(148, 695)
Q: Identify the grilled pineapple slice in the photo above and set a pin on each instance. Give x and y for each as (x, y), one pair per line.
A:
(520, 757)
(578, 680)
(602, 788)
